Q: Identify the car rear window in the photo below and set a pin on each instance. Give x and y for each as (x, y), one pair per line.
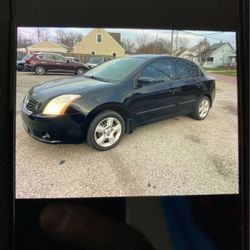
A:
(186, 70)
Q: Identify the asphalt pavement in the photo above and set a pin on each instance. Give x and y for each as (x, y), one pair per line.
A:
(177, 156)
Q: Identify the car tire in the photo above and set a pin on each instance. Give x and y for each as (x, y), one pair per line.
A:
(80, 71)
(202, 108)
(40, 70)
(105, 130)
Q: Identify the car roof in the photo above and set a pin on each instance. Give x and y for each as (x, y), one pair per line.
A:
(149, 56)
(153, 57)
(50, 53)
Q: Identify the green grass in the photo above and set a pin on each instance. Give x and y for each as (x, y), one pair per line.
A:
(222, 71)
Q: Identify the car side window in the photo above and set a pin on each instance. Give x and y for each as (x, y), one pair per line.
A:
(162, 70)
(167, 67)
(186, 70)
(47, 57)
(60, 58)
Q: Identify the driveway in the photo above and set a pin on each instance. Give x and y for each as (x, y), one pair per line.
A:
(178, 156)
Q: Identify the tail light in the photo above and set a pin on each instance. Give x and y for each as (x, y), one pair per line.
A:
(28, 60)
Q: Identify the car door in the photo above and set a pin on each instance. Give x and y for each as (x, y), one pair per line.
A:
(47, 60)
(188, 82)
(158, 99)
(63, 65)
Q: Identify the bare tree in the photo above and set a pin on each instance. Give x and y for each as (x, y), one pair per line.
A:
(159, 46)
(42, 34)
(203, 50)
(23, 42)
(129, 46)
(142, 40)
(68, 38)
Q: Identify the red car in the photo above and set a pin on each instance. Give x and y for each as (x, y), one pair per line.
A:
(41, 63)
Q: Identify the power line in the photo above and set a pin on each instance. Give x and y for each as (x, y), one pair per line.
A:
(207, 36)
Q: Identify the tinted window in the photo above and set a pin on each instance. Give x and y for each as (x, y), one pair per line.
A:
(162, 70)
(152, 72)
(117, 69)
(186, 70)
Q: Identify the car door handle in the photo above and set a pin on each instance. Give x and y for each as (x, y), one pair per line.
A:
(173, 91)
(198, 84)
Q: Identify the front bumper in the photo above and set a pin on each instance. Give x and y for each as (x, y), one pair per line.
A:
(28, 68)
(60, 129)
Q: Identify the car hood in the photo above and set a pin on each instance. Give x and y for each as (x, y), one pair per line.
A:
(92, 64)
(75, 85)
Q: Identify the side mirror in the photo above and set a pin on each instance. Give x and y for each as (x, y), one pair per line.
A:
(145, 80)
(142, 81)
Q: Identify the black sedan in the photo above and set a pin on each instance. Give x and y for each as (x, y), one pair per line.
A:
(116, 97)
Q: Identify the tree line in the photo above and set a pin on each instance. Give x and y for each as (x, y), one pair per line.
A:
(143, 44)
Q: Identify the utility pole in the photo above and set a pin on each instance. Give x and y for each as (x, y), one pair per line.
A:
(156, 43)
(38, 35)
(172, 42)
(176, 40)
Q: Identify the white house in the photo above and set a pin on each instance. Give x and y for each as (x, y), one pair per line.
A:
(196, 53)
(220, 54)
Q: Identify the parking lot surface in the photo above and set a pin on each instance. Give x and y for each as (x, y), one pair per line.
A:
(178, 156)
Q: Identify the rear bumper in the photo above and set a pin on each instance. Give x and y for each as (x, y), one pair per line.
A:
(60, 129)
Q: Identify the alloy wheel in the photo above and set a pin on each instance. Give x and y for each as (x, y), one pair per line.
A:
(40, 70)
(80, 71)
(108, 132)
(204, 108)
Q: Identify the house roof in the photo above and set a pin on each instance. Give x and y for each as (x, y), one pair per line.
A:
(216, 46)
(116, 36)
(55, 43)
(62, 45)
(179, 52)
(194, 49)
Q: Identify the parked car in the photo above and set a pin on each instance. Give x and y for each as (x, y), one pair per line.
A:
(116, 97)
(41, 63)
(96, 60)
(20, 62)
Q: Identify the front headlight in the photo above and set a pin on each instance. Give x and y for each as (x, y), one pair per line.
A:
(59, 105)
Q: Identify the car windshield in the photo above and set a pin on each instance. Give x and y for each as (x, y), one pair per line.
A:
(115, 70)
(96, 60)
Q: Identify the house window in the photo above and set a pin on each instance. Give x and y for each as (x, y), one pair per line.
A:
(98, 38)
(210, 59)
(92, 52)
(114, 54)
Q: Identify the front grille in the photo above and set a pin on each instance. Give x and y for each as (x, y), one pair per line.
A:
(31, 104)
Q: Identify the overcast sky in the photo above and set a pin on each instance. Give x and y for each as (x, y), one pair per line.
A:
(192, 36)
